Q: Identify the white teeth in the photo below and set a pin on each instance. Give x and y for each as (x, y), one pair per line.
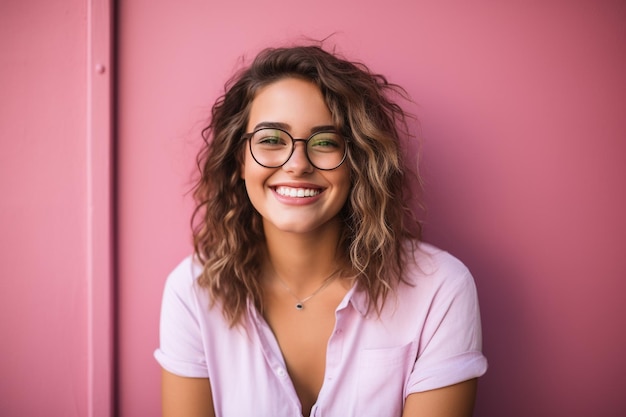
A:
(296, 192)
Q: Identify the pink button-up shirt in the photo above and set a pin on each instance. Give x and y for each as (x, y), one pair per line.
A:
(427, 337)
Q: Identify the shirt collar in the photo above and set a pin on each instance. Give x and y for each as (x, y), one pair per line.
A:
(358, 298)
(252, 310)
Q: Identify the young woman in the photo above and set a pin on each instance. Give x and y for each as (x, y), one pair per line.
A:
(310, 292)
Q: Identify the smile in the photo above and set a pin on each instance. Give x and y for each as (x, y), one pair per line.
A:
(297, 192)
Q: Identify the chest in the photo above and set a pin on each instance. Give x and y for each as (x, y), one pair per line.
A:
(302, 336)
(323, 365)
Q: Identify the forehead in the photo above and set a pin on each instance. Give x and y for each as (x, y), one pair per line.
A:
(293, 102)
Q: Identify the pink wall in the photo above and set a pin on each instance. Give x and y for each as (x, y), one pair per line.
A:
(55, 211)
(43, 323)
(522, 108)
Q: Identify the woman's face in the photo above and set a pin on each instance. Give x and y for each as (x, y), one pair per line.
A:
(296, 197)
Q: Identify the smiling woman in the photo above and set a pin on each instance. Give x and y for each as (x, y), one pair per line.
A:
(295, 195)
(310, 291)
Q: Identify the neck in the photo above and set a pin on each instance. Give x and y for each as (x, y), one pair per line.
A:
(303, 260)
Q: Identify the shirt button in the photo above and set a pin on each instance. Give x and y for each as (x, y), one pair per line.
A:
(281, 372)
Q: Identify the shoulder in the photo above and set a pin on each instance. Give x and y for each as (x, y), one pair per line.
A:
(184, 276)
(433, 275)
(181, 285)
(425, 261)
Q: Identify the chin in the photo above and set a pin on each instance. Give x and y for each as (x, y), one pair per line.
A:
(292, 228)
(296, 227)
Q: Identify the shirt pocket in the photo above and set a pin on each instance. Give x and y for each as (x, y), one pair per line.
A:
(381, 381)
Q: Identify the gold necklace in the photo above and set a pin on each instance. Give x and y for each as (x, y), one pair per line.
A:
(300, 302)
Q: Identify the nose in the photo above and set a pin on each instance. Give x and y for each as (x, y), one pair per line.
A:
(298, 162)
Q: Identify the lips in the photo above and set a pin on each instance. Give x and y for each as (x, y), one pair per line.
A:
(297, 192)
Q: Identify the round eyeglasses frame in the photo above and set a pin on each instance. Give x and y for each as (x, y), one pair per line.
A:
(248, 137)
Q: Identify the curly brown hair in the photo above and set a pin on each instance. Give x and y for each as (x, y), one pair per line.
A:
(227, 231)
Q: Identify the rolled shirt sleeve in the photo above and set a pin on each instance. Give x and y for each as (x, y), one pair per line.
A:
(450, 346)
(181, 349)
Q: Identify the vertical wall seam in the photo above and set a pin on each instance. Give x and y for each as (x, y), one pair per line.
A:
(99, 230)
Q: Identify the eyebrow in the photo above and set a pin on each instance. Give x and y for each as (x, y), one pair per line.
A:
(285, 126)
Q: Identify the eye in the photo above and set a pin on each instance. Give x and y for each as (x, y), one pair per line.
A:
(269, 138)
(326, 142)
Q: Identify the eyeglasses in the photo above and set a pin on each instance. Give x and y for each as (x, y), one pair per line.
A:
(272, 148)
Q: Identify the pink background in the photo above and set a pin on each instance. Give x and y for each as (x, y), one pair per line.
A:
(522, 108)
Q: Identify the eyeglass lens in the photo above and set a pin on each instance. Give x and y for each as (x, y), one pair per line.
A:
(273, 147)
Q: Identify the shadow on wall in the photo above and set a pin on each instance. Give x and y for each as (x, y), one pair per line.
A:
(464, 215)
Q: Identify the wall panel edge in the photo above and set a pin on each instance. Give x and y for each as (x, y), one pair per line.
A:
(100, 212)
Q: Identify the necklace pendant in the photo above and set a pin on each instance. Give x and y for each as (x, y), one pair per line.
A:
(299, 306)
